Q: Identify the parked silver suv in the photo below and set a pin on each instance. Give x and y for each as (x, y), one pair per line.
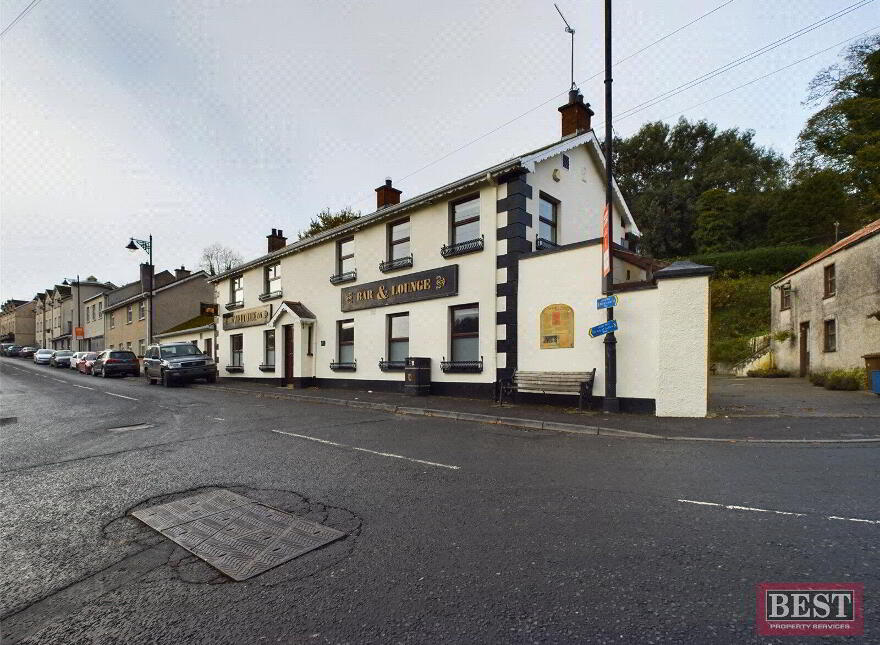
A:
(177, 362)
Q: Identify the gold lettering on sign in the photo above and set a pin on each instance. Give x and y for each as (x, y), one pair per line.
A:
(557, 327)
(380, 293)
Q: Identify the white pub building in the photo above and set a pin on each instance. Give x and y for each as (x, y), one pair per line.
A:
(496, 272)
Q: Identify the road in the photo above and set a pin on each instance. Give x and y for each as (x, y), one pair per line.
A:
(455, 531)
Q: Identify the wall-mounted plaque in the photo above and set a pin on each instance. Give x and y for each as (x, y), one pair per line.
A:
(557, 327)
(247, 317)
(423, 285)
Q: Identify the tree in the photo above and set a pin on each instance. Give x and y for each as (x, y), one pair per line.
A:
(663, 170)
(716, 221)
(326, 219)
(218, 259)
(844, 136)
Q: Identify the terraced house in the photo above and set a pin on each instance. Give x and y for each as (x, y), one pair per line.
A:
(176, 297)
(17, 322)
(491, 273)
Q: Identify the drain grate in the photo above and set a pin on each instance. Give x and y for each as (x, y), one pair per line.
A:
(5, 421)
(235, 534)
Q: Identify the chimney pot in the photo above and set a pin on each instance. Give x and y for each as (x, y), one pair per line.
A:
(276, 240)
(387, 195)
(575, 114)
(181, 273)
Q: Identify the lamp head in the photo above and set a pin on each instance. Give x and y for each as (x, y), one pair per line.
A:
(131, 246)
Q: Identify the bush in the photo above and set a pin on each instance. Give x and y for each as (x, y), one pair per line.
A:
(818, 378)
(740, 311)
(775, 260)
(769, 372)
(853, 379)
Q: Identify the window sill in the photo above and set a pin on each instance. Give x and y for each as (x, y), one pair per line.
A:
(462, 367)
(340, 278)
(463, 248)
(234, 305)
(394, 265)
(541, 244)
(266, 368)
(234, 368)
(343, 367)
(272, 295)
(392, 366)
(829, 295)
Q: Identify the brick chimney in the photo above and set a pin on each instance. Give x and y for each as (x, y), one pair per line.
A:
(276, 240)
(146, 276)
(386, 195)
(181, 273)
(575, 115)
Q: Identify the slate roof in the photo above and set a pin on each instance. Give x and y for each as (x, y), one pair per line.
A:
(192, 323)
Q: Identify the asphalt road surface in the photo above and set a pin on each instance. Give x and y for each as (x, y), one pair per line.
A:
(454, 531)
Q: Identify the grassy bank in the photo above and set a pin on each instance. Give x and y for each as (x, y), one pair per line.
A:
(740, 311)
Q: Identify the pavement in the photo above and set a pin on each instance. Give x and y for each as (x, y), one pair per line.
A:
(455, 531)
(744, 409)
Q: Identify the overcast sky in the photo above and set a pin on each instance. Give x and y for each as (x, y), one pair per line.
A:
(207, 120)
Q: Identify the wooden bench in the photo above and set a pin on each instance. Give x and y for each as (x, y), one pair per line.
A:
(580, 383)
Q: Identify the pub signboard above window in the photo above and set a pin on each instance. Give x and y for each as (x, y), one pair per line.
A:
(423, 285)
(247, 317)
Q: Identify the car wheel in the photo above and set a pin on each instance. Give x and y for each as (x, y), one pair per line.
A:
(211, 379)
(166, 382)
(103, 373)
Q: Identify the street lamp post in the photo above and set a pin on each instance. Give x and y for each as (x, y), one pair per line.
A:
(78, 306)
(146, 245)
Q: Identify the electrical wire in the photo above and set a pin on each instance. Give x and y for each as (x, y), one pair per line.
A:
(23, 13)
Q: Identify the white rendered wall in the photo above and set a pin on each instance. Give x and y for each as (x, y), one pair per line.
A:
(683, 334)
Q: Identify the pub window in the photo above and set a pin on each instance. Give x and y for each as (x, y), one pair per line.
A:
(269, 343)
(345, 256)
(785, 297)
(465, 333)
(398, 337)
(236, 290)
(273, 278)
(830, 335)
(236, 348)
(128, 314)
(128, 345)
(830, 281)
(142, 310)
(398, 239)
(465, 221)
(345, 334)
(548, 214)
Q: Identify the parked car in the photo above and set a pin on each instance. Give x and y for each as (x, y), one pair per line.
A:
(74, 360)
(13, 350)
(116, 361)
(61, 358)
(27, 352)
(43, 356)
(177, 363)
(86, 362)
(4, 347)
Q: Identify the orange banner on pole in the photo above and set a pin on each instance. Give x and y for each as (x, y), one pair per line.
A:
(606, 243)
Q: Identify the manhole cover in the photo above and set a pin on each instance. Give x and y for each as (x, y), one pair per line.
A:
(235, 534)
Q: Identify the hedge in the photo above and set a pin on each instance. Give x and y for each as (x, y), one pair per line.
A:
(773, 260)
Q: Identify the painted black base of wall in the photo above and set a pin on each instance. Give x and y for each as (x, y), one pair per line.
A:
(464, 390)
(630, 405)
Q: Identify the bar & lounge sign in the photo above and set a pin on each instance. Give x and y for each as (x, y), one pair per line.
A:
(423, 285)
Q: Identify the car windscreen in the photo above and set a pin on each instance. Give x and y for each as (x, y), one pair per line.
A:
(90, 357)
(123, 355)
(175, 351)
(44, 351)
(63, 352)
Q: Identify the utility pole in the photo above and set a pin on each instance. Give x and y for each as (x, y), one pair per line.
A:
(610, 402)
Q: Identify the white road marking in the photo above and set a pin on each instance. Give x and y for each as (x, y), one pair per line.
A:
(218, 419)
(734, 507)
(85, 387)
(58, 379)
(373, 452)
(121, 396)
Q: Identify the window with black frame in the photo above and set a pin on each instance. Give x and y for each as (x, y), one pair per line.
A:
(236, 350)
(269, 344)
(548, 218)
(345, 346)
(398, 240)
(464, 340)
(273, 278)
(465, 221)
(236, 290)
(398, 341)
(345, 256)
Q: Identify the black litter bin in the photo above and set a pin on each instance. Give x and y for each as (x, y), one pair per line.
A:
(418, 376)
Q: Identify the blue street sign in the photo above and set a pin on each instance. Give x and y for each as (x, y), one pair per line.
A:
(608, 301)
(604, 328)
